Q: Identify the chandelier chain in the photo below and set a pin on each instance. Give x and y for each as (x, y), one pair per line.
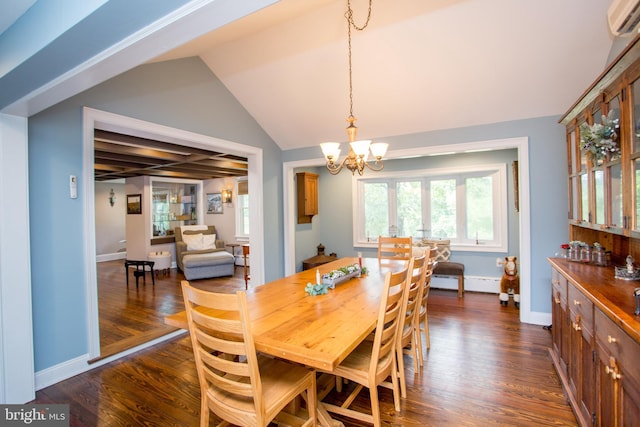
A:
(351, 23)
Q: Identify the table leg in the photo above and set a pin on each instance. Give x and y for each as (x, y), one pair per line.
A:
(324, 384)
(245, 252)
(325, 419)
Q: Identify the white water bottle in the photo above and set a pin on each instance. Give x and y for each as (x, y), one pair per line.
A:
(318, 277)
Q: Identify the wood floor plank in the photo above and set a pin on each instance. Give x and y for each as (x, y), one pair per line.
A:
(484, 367)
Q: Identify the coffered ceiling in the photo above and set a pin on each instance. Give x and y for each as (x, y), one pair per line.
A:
(123, 156)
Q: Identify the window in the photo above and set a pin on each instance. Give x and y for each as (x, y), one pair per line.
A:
(465, 205)
(242, 210)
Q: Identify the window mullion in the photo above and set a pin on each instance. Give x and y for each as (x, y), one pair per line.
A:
(461, 210)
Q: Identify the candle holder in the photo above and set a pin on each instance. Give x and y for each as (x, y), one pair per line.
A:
(624, 273)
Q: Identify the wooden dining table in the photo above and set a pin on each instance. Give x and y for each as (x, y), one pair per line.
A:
(317, 331)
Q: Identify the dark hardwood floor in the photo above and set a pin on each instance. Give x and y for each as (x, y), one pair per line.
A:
(484, 368)
(130, 316)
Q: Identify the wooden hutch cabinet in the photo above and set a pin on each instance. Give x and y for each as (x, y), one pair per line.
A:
(595, 332)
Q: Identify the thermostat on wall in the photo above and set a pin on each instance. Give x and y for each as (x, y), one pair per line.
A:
(73, 187)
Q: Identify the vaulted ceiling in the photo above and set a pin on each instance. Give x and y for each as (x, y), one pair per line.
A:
(418, 66)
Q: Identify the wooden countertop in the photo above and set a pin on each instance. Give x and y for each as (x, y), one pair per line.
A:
(614, 297)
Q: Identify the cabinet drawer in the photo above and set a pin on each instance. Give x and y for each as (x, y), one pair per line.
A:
(580, 305)
(619, 345)
(559, 286)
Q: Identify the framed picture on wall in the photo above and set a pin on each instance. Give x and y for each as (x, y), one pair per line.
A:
(214, 203)
(134, 203)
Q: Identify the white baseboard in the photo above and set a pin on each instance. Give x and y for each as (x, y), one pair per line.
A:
(471, 283)
(240, 260)
(70, 368)
(537, 318)
(111, 257)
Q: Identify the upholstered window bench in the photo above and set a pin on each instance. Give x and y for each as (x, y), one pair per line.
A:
(213, 264)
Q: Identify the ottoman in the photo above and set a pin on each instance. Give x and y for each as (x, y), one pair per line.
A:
(162, 262)
(203, 266)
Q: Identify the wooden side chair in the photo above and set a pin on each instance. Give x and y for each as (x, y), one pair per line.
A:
(407, 341)
(394, 248)
(373, 361)
(445, 267)
(422, 319)
(238, 385)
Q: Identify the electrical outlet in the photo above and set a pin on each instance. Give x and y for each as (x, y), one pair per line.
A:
(499, 262)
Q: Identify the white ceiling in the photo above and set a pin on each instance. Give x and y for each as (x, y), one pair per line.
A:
(419, 65)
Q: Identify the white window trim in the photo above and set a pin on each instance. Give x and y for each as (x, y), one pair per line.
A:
(500, 203)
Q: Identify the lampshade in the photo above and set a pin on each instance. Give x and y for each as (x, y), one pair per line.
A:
(379, 149)
(331, 150)
(361, 148)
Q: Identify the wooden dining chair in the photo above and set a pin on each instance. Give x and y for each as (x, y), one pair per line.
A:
(422, 319)
(407, 342)
(394, 248)
(237, 384)
(373, 362)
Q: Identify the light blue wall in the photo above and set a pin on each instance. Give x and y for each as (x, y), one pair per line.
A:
(548, 192)
(181, 94)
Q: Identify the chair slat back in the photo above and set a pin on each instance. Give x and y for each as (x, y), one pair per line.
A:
(413, 299)
(394, 248)
(431, 264)
(389, 316)
(223, 346)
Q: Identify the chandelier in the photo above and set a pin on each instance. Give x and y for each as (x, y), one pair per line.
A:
(357, 159)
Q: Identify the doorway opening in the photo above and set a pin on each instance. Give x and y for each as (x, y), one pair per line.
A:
(95, 119)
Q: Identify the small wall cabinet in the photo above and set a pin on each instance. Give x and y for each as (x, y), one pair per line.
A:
(307, 184)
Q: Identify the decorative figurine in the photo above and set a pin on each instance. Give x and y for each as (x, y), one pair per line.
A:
(510, 282)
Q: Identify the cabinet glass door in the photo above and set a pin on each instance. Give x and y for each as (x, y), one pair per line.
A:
(615, 188)
(635, 158)
(574, 182)
(599, 199)
(613, 176)
(584, 184)
(583, 191)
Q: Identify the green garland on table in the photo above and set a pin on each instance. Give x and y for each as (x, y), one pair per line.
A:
(314, 289)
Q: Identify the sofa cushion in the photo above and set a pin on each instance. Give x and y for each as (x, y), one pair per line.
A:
(208, 259)
(443, 249)
(208, 241)
(199, 242)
